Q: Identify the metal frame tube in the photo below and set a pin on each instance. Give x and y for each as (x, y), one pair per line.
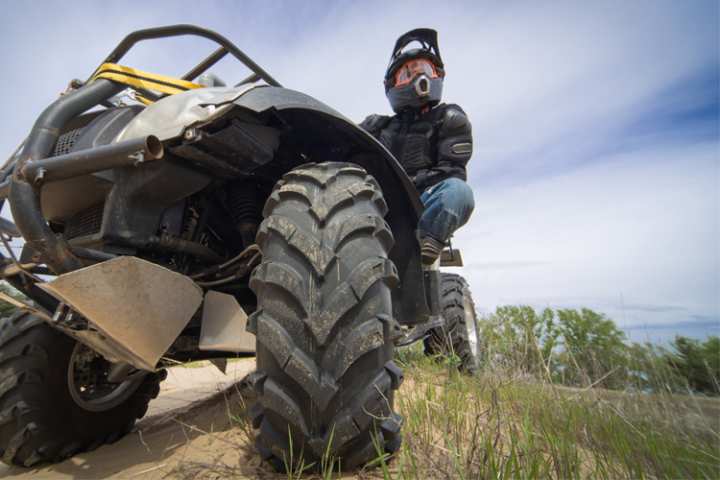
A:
(25, 198)
(202, 67)
(177, 30)
(84, 162)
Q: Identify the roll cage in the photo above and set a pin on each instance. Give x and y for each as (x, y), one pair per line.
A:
(225, 47)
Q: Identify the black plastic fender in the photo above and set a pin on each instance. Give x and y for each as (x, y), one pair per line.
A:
(324, 134)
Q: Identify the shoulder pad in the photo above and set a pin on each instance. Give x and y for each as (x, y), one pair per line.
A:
(454, 121)
(375, 123)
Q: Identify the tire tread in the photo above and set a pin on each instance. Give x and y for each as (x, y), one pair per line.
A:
(28, 433)
(317, 389)
(452, 337)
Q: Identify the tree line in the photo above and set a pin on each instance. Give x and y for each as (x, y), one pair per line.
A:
(583, 348)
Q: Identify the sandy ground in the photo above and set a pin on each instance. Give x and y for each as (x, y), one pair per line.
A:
(188, 432)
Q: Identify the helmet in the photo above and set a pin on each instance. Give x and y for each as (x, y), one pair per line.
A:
(414, 77)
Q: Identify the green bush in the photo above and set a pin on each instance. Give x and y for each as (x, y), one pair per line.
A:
(521, 339)
(584, 348)
(593, 349)
(697, 362)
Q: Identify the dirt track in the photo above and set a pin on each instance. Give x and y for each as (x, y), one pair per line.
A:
(186, 434)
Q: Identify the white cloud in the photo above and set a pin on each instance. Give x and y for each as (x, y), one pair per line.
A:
(628, 231)
(551, 88)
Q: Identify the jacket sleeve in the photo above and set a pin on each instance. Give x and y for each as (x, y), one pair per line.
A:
(373, 124)
(454, 143)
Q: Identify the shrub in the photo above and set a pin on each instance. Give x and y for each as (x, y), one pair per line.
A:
(584, 348)
(698, 362)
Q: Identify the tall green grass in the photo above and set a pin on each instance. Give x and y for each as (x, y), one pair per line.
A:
(501, 425)
(559, 395)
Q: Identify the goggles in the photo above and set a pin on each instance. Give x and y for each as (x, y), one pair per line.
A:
(412, 68)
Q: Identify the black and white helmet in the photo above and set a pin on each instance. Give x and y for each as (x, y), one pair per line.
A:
(414, 77)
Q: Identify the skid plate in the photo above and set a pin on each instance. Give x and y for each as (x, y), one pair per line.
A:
(138, 308)
(223, 325)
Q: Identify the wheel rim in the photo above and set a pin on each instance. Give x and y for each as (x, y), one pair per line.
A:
(88, 385)
(470, 326)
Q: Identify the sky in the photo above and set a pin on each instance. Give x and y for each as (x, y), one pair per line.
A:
(596, 164)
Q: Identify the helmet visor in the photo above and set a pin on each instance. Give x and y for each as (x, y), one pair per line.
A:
(412, 68)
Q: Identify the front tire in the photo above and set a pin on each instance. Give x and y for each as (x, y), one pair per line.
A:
(324, 323)
(459, 336)
(40, 421)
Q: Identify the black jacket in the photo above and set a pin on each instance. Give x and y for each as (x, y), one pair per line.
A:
(431, 146)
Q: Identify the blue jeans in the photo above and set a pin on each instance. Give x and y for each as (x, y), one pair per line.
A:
(448, 206)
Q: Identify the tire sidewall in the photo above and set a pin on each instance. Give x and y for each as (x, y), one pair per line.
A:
(51, 426)
(452, 338)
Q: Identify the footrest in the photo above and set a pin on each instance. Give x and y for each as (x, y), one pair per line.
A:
(451, 257)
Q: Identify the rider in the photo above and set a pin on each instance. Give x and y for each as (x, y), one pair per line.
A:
(431, 140)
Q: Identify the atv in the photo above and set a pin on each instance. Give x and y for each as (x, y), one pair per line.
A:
(166, 220)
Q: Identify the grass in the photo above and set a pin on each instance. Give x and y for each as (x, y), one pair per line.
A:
(496, 425)
(502, 425)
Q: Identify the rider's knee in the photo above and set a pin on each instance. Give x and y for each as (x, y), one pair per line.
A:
(459, 198)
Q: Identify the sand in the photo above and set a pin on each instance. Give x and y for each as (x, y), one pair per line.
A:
(189, 432)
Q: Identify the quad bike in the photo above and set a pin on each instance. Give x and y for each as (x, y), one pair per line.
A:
(168, 221)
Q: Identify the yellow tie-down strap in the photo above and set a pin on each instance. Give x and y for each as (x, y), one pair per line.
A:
(135, 78)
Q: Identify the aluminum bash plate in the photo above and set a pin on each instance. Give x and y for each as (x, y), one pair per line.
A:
(139, 308)
(223, 325)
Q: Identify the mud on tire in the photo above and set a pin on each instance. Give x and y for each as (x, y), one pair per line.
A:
(459, 335)
(39, 420)
(325, 376)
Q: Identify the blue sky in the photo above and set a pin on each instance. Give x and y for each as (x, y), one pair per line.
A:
(596, 164)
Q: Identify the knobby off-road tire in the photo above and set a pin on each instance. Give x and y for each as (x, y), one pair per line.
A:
(459, 335)
(324, 327)
(39, 420)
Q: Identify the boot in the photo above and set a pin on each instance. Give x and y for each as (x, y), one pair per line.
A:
(430, 249)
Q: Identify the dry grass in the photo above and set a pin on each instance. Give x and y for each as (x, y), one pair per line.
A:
(498, 425)
(501, 425)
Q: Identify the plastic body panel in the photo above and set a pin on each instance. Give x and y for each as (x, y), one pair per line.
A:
(325, 135)
(309, 131)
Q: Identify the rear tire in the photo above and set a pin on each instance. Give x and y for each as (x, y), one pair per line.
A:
(459, 335)
(325, 376)
(39, 420)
